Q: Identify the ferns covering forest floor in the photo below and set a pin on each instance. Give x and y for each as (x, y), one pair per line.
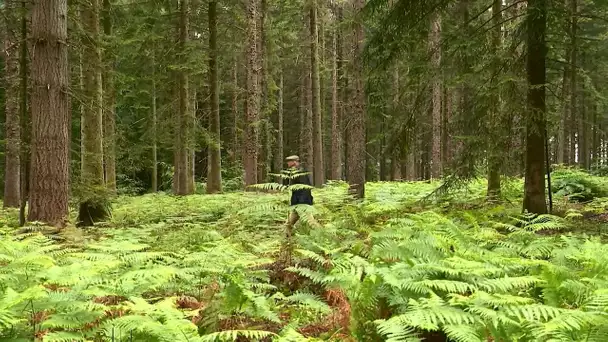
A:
(394, 268)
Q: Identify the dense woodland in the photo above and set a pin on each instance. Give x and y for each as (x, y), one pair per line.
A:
(458, 151)
(155, 96)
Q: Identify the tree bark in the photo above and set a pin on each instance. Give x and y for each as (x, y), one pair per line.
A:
(574, 115)
(496, 120)
(336, 122)
(356, 137)
(562, 139)
(183, 184)
(50, 115)
(109, 112)
(263, 147)
(12, 170)
(279, 154)
(534, 188)
(308, 126)
(317, 136)
(25, 117)
(154, 129)
(236, 150)
(214, 175)
(92, 171)
(250, 157)
(435, 50)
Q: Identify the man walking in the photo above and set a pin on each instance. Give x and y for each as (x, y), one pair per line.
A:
(296, 175)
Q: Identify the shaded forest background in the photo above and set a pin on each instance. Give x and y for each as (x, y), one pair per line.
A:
(190, 96)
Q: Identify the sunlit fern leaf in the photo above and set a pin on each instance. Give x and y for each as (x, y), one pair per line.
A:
(291, 335)
(315, 276)
(309, 301)
(395, 331)
(143, 257)
(507, 284)
(449, 286)
(462, 333)
(598, 301)
(71, 320)
(261, 209)
(233, 335)
(120, 247)
(64, 336)
(8, 319)
(533, 312)
(268, 187)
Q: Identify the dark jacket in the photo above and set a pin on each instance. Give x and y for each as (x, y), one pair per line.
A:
(299, 176)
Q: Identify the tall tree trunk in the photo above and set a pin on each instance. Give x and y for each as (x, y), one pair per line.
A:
(308, 127)
(356, 137)
(12, 167)
(562, 139)
(496, 144)
(263, 147)
(236, 150)
(317, 136)
(109, 112)
(154, 129)
(214, 175)
(49, 180)
(584, 146)
(396, 159)
(534, 188)
(191, 143)
(336, 124)
(91, 210)
(182, 134)
(250, 139)
(435, 50)
(279, 154)
(25, 117)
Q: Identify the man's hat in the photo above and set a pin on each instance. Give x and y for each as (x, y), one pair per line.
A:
(292, 158)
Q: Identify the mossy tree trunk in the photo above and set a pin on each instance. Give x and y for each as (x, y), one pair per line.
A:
(93, 205)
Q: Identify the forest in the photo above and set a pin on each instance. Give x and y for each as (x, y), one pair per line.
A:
(153, 157)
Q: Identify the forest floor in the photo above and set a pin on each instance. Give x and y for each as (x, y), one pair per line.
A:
(398, 265)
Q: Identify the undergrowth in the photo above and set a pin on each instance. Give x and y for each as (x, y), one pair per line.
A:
(206, 268)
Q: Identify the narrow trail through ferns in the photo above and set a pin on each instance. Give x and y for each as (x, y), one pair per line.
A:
(207, 268)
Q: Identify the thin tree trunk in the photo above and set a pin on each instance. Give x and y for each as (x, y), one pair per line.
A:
(12, 170)
(92, 171)
(356, 137)
(49, 182)
(308, 146)
(109, 112)
(183, 184)
(574, 137)
(336, 124)
(279, 154)
(317, 136)
(534, 188)
(435, 50)
(236, 150)
(562, 139)
(154, 129)
(214, 176)
(263, 147)
(395, 106)
(250, 139)
(25, 117)
(496, 119)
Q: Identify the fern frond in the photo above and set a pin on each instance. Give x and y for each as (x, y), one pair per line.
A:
(233, 335)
